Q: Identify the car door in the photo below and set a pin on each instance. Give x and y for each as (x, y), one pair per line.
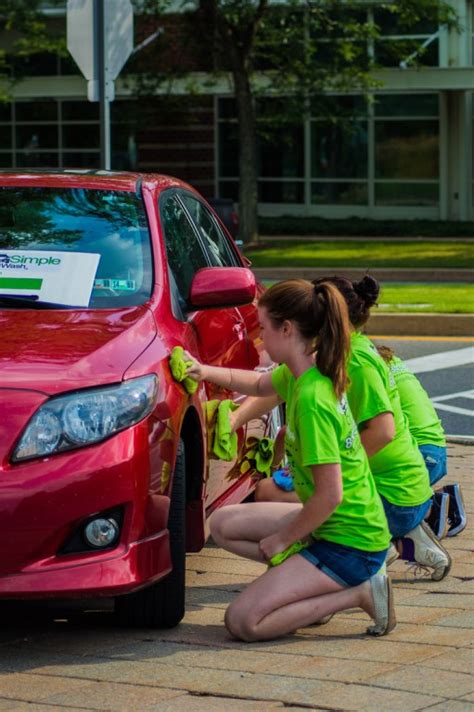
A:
(214, 336)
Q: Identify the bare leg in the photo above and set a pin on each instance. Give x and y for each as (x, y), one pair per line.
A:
(267, 491)
(240, 527)
(290, 596)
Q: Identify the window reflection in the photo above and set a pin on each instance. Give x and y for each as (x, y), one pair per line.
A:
(406, 149)
(340, 193)
(339, 150)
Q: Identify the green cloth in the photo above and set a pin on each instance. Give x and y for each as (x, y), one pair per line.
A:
(179, 369)
(225, 442)
(423, 421)
(264, 456)
(398, 468)
(284, 555)
(320, 430)
(210, 411)
(220, 441)
(259, 455)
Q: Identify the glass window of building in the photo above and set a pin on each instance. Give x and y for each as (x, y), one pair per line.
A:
(406, 151)
(339, 151)
(401, 40)
(280, 153)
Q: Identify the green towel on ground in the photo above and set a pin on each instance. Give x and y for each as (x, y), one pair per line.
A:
(284, 555)
(179, 369)
(221, 443)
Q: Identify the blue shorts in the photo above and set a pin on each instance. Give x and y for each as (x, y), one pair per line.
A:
(435, 458)
(345, 565)
(402, 520)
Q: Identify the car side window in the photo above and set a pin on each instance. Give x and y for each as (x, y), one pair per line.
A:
(216, 243)
(183, 250)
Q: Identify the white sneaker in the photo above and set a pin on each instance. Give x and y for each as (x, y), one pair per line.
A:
(392, 555)
(382, 594)
(428, 552)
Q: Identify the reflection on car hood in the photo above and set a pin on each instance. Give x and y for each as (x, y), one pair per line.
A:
(57, 351)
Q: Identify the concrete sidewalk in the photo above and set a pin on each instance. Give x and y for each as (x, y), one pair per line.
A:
(426, 663)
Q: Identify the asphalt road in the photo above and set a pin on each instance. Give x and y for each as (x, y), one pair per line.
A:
(445, 367)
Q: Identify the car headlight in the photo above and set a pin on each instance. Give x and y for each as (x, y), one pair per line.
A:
(78, 419)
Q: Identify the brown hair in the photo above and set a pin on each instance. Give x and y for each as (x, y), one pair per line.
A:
(360, 296)
(320, 314)
(386, 353)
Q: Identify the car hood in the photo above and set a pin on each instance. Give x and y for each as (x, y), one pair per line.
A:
(57, 351)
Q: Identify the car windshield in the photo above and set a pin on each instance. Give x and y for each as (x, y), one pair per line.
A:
(109, 224)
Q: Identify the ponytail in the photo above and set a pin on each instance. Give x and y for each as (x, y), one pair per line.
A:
(386, 353)
(333, 340)
(320, 313)
(359, 296)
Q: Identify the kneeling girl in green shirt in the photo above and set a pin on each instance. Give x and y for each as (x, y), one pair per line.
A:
(341, 529)
(396, 463)
(448, 515)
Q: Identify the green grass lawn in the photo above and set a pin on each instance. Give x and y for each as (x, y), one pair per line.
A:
(368, 255)
(441, 298)
(445, 298)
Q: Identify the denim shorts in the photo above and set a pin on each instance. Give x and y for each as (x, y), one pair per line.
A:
(435, 460)
(402, 520)
(345, 565)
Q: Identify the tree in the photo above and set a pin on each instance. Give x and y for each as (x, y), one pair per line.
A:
(23, 23)
(297, 50)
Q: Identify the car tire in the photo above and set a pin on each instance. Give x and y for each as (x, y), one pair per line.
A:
(162, 605)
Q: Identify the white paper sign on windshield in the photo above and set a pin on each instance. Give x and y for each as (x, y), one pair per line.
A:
(62, 277)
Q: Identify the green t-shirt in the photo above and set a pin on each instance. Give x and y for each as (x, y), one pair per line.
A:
(423, 421)
(399, 470)
(320, 429)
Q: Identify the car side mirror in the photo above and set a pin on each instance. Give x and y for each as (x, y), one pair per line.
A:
(214, 287)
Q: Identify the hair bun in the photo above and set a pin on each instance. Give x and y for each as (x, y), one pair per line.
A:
(367, 289)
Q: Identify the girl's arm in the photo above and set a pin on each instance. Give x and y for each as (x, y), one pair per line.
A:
(251, 383)
(252, 408)
(377, 432)
(315, 511)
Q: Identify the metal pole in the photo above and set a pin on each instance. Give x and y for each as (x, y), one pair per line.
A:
(99, 24)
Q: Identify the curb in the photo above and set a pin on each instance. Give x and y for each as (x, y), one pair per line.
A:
(421, 324)
(381, 274)
(460, 439)
(264, 238)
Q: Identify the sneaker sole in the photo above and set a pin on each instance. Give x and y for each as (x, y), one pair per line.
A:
(457, 530)
(462, 525)
(444, 518)
(433, 538)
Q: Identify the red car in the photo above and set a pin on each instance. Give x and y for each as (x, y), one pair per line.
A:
(105, 480)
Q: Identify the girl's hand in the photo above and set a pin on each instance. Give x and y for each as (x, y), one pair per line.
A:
(271, 545)
(196, 369)
(233, 420)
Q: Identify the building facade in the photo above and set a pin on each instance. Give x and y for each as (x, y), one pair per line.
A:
(407, 153)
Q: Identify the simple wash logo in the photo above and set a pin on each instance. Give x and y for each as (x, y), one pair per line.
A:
(29, 262)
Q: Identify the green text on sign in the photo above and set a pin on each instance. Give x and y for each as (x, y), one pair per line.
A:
(20, 283)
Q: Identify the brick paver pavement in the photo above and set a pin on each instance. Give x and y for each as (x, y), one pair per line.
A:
(85, 662)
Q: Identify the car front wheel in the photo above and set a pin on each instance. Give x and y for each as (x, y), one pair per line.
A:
(162, 605)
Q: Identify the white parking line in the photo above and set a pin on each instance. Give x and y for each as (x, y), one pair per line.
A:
(453, 409)
(459, 394)
(445, 359)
